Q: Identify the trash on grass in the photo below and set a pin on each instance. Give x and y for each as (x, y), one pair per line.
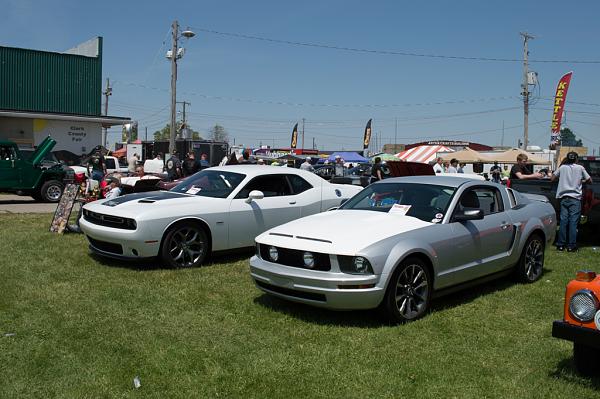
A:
(137, 382)
(10, 334)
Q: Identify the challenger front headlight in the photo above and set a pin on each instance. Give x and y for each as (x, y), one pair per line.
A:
(583, 305)
(355, 265)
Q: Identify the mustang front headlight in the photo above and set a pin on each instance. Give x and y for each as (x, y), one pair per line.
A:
(273, 254)
(583, 305)
(355, 265)
(309, 260)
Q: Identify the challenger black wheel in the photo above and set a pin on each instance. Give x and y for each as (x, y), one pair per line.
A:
(185, 245)
(531, 263)
(409, 291)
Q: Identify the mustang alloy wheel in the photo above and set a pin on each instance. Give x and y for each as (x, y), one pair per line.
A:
(409, 291)
(185, 245)
(531, 264)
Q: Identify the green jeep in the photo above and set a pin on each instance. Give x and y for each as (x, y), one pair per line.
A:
(31, 175)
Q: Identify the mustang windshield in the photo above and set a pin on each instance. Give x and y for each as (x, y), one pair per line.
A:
(210, 183)
(422, 201)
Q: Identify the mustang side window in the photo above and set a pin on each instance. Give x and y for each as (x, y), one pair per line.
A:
(485, 198)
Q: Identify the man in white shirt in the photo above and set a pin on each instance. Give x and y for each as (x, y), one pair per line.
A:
(438, 168)
(306, 165)
(569, 191)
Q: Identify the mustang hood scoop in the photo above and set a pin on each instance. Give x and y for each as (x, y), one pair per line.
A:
(144, 198)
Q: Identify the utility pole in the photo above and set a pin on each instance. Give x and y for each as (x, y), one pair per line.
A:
(183, 118)
(174, 48)
(313, 146)
(525, 86)
(303, 135)
(395, 134)
(107, 93)
(502, 139)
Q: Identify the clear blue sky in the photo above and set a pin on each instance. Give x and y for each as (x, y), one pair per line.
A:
(258, 89)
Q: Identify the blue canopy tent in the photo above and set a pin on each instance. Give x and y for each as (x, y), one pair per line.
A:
(347, 156)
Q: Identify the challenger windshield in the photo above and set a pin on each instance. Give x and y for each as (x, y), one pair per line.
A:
(210, 183)
(423, 201)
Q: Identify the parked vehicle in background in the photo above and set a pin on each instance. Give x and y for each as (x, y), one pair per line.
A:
(32, 175)
(215, 209)
(402, 241)
(590, 209)
(581, 321)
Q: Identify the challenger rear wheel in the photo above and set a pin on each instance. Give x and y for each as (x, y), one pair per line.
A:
(185, 245)
(409, 291)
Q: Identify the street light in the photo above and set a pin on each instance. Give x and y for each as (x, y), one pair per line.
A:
(174, 55)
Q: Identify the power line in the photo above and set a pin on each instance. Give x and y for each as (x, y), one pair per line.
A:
(382, 52)
(280, 102)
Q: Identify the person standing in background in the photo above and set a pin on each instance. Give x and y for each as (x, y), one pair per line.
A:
(438, 167)
(453, 166)
(496, 173)
(571, 177)
(132, 162)
(174, 167)
(376, 172)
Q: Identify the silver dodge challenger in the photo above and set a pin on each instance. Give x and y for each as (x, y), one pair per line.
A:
(402, 241)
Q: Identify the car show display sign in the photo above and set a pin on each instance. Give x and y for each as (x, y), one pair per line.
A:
(64, 208)
(559, 106)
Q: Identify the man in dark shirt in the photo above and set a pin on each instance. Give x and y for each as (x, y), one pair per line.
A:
(190, 164)
(97, 165)
(521, 171)
(174, 167)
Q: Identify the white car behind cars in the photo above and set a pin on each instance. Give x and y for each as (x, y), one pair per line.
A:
(215, 209)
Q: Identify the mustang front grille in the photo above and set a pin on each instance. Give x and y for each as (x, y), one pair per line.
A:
(116, 222)
(294, 293)
(295, 258)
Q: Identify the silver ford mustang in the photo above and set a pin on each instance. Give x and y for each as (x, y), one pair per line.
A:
(401, 241)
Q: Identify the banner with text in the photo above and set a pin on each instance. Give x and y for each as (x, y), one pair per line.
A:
(559, 106)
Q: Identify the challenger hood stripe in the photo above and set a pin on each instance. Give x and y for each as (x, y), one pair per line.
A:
(147, 197)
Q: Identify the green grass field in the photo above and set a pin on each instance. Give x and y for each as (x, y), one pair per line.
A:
(85, 327)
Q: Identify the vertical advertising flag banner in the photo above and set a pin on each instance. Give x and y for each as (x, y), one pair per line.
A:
(559, 106)
(294, 136)
(367, 137)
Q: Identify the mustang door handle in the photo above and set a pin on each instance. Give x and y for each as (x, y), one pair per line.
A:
(504, 226)
(292, 202)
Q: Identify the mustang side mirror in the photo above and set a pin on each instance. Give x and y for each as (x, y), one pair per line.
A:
(254, 195)
(468, 214)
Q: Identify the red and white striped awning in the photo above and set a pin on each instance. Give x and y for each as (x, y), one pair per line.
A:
(423, 153)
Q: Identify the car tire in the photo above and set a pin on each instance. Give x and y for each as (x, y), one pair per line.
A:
(409, 291)
(185, 245)
(51, 191)
(531, 263)
(587, 359)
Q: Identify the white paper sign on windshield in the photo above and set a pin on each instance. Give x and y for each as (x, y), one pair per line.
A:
(399, 209)
(193, 190)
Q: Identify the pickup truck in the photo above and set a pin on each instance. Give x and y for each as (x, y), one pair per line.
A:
(31, 174)
(590, 210)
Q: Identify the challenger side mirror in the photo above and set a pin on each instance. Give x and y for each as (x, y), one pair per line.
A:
(468, 214)
(255, 195)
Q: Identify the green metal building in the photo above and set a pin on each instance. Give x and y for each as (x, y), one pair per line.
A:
(49, 93)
